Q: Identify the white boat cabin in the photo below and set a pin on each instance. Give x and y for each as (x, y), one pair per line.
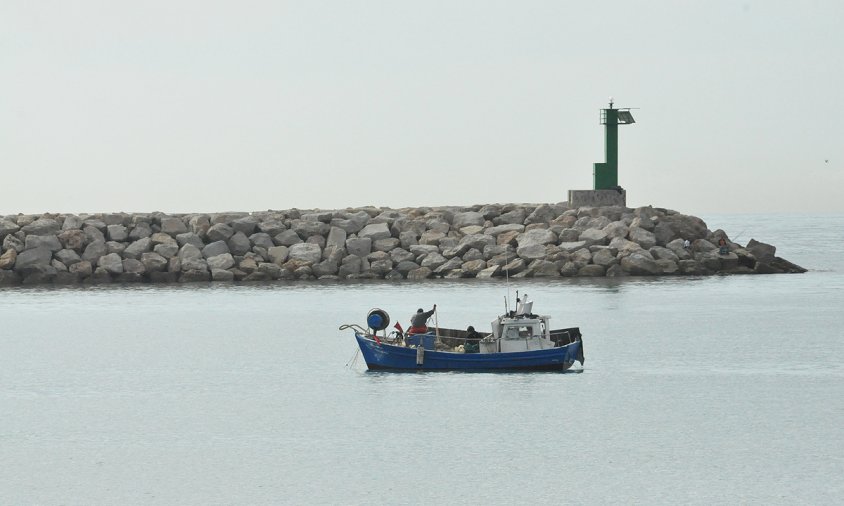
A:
(518, 331)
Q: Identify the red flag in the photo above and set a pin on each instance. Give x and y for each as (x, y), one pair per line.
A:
(398, 327)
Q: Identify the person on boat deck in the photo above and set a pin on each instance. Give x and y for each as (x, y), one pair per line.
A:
(472, 338)
(419, 321)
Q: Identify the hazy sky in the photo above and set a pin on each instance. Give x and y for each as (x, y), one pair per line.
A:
(189, 106)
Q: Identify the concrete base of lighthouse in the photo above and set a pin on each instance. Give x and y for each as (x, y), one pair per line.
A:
(597, 198)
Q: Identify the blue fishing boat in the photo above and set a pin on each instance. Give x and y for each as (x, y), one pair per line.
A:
(519, 340)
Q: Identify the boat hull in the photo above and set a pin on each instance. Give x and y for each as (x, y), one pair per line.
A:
(383, 356)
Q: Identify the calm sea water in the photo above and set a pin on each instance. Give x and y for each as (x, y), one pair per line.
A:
(695, 390)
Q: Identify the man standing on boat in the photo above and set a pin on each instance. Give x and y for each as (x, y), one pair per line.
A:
(419, 321)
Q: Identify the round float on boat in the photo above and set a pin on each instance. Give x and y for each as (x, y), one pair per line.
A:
(377, 319)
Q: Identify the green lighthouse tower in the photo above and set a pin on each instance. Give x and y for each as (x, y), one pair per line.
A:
(606, 173)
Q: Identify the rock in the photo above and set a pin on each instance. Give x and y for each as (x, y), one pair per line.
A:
(71, 222)
(514, 267)
(221, 261)
(166, 250)
(42, 226)
(239, 244)
(763, 252)
(272, 227)
(500, 229)
(661, 253)
(138, 248)
(191, 259)
(591, 270)
(132, 266)
(7, 227)
(7, 259)
(604, 258)
(640, 264)
(117, 233)
(572, 246)
(516, 216)
(278, 254)
(786, 266)
(50, 242)
(387, 245)
(219, 232)
(287, 238)
(173, 226)
(542, 214)
(592, 236)
(667, 266)
(543, 269)
(616, 229)
(642, 237)
(531, 251)
(83, 269)
(214, 249)
(190, 238)
(139, 231)
(420, 273)
(111, 263)
(309, 228)
(194, 276)
(153, 262)
(247, 225)
(199, 225)
(375, 231)
(433, 260)
(678, 248)
(467, 219)
(221, 275)
(306, 252)
(67, 257)
(94, 251)
(489, 272)
(12, 242)
(262, 240)
(359, 246)
(663, 233)
(74, 239)
(93, 234)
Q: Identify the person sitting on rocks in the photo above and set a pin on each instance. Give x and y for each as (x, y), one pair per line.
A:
(722, 246)
(419, 321)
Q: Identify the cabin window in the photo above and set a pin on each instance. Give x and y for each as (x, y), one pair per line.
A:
(525, 331)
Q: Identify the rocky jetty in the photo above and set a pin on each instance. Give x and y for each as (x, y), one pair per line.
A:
(482, 241)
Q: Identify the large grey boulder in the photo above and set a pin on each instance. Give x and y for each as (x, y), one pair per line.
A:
(336, 239)
(7, 259)
(309, 228)
(499, 229)
(542, 214)
(763, 252)
(138, 248)
(278, 254)
(47, 241)
(215, 248)
(94, 251)
(166, 250)
(190, 238)
(375, 231)
(239, 244)
(616, 229)
(537, 236)
(42, 226)
(604, 257)
(593, 236)
(467, 219)
(83, 269)
(261, 239)
(642, 237)
(139, 231)
(132, 266)
(173, 226)
(153, 262)
(71, 222)
(516, 216)
(640, 264)
(287, 238)
(221, 261)
(247, 225)
(111, 263)
(191, 259)
(661, 253)
(305, 252)
(93, 234)
(117, 233)
(360, 246)
(68, 256)
(7, 227)
(677, 246)
(531, 251)
(219, 232)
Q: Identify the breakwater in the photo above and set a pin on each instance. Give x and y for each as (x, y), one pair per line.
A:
(481, 241)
